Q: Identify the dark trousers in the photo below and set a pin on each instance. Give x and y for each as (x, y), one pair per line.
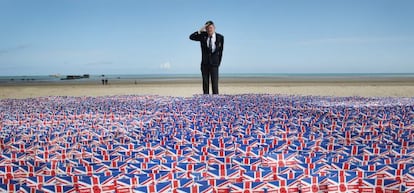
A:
(207, 72)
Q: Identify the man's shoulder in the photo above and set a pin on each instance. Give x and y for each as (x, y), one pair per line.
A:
(219, 35)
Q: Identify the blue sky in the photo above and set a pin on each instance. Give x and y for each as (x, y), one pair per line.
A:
(151, 37)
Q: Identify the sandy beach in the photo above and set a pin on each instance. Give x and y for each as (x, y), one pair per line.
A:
(231, 139)
(366, 87)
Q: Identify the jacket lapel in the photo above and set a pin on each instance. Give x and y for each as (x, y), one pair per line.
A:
(218, 42)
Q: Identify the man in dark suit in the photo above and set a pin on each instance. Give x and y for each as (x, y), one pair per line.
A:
(212, 51)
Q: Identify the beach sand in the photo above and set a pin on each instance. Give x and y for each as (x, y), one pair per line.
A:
(366, 87)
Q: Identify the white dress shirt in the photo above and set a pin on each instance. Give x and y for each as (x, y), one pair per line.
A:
(213, 41)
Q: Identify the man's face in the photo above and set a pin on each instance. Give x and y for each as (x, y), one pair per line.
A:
(210, 29)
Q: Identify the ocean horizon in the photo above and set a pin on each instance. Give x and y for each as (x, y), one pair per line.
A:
(99, 77)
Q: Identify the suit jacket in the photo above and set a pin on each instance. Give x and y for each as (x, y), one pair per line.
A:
(208, 58)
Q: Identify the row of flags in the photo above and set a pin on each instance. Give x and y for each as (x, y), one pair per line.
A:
(226, 143)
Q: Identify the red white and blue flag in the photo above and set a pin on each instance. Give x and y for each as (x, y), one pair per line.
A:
(235, 143)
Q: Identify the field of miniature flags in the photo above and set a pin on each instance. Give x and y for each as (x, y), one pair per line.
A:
(226, 143)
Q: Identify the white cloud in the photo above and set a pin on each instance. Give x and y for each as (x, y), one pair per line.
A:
(165, 66)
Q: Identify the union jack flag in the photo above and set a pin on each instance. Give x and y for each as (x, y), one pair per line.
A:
(239, 187)
(39, 181)
(313, 184)
(380, 185)
(177, 183)
(127, 181)
(343, 183)
(195, 189)
(11, 187)
(96, 183)
(66, 180)
(59, 189)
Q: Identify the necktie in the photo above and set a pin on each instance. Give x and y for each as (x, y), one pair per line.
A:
(210, 46)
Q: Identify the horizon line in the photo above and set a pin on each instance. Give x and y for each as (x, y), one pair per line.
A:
(222, 74)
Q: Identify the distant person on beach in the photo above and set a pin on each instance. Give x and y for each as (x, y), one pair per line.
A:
(212, 51)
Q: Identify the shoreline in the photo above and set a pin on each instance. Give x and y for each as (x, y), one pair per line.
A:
(302, 80)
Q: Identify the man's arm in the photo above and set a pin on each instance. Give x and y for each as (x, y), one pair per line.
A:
(221, 49)
(196, 36)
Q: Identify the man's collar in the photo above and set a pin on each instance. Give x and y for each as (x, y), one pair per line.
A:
(214, 35)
